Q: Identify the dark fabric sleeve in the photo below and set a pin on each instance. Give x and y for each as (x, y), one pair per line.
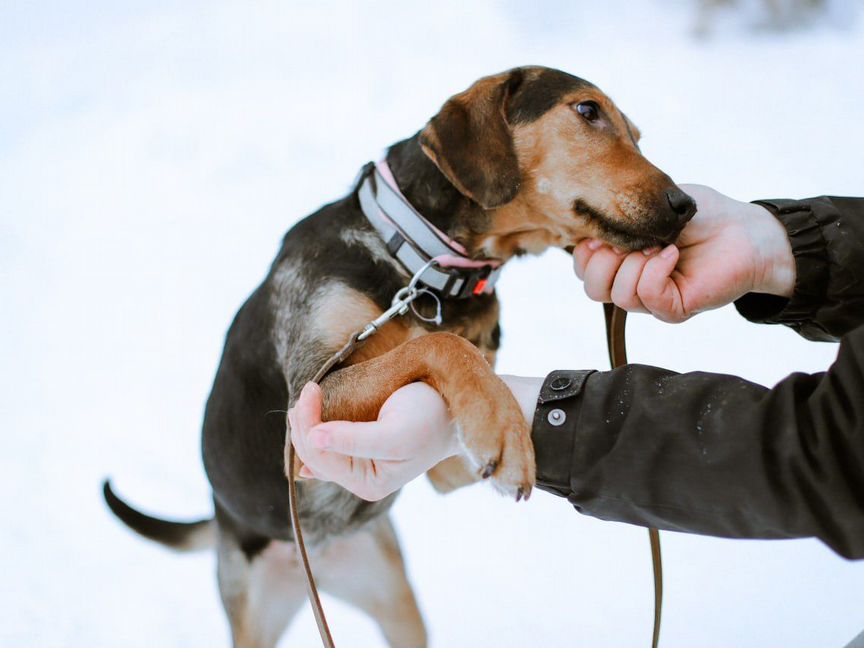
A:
(712, 454)
(827, 237)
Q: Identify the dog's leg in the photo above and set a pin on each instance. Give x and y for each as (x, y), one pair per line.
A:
(452, 473)
(492, 428)
(260, 594)
(366, 570)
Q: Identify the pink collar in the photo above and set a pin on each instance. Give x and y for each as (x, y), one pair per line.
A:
(458, 260)
(436, 260)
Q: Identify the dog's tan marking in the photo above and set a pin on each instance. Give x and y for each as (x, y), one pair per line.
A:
(564, 160)
(340, 311)
(261, 596)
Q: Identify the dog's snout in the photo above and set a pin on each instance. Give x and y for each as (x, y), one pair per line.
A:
(682, 204)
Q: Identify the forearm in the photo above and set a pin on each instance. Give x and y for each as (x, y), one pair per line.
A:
(717, 455)
(525, 389)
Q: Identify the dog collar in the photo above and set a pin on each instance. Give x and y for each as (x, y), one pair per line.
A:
(414, 241)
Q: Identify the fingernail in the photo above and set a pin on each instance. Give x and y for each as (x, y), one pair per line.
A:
(321, 439)
(594, 244)
(650, 251)
(668, 252)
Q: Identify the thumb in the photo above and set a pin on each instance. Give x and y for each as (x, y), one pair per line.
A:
(307, 409)
(658, 290)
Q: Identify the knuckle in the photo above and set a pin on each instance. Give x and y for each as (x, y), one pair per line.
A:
(667, 312)
(657, 308)
(644, 290)
(623, 296)
(649, 293)
(629, 305)
(595, 292)
(579, 265)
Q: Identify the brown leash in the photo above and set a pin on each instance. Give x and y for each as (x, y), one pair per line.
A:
(615, 340)
(402, 301)
(311, 588)
(616, 320)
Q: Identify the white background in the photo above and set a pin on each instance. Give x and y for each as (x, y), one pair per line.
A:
(151, 157)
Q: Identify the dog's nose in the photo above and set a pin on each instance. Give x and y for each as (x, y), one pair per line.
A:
(682, 204)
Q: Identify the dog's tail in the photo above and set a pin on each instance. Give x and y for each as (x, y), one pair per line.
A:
(181, 536)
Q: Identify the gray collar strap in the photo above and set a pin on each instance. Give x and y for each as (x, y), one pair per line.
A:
(414, 241)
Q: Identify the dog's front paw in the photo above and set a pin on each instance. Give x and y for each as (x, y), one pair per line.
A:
(497, 439)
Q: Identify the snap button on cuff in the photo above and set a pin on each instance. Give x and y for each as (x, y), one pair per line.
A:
(556, 417)
(560, 383)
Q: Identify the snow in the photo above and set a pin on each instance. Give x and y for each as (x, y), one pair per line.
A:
(151, 156)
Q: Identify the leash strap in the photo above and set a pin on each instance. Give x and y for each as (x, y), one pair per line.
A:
(616, 320)
(402, 301)
(311, 588)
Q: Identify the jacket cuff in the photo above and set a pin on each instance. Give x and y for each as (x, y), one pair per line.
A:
(554, 428)
(811, 269)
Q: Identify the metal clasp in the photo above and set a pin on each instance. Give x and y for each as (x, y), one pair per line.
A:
(402, 302)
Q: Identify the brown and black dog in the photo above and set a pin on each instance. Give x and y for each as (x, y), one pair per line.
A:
(521, 161)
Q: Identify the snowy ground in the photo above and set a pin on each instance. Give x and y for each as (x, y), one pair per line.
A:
(151, 156)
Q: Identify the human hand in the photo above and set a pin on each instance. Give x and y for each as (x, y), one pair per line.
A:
(413, 433)
(728, 249)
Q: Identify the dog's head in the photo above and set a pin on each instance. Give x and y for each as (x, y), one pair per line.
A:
(553, 161)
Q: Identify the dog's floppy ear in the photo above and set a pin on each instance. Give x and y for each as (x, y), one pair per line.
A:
(470, 141)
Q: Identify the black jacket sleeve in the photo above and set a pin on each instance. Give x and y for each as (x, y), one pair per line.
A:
(715, 454)
(827, 236)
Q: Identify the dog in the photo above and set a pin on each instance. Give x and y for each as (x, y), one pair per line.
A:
(519, 162)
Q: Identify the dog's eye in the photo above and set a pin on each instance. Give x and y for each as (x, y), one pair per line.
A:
(589, 110)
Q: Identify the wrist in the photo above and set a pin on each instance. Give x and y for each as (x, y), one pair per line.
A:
(775, 274)
(525, 390)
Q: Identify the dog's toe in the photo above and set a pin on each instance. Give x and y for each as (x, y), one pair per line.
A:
(489, 469)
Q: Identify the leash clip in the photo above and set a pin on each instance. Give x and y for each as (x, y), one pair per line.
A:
(402, 301)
